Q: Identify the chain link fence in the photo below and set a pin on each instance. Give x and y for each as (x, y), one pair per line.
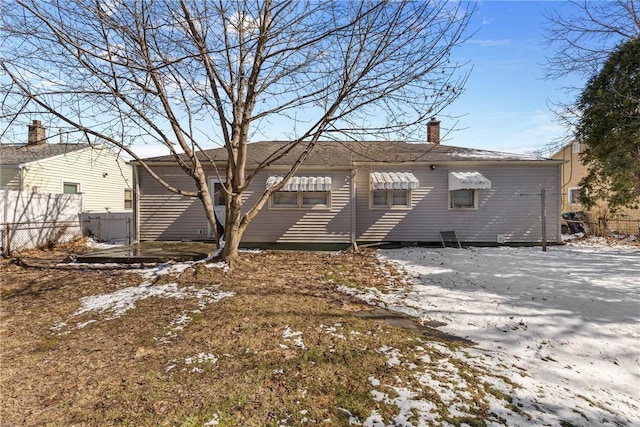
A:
(36, 220)
(17, 237)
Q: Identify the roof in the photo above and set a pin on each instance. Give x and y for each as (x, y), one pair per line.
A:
(18, 154)
(333, 153)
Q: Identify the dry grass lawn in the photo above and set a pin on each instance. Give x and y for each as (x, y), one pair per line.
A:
(285, 349)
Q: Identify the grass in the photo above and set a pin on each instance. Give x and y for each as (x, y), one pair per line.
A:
(286, 349)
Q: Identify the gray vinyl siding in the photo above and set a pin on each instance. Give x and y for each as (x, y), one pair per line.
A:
(10, 178)
(303, 225)
(167, 216)
(164, 215)
(509, 208)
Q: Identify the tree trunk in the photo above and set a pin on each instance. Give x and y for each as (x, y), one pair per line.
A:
(207, 204)
(232, 230)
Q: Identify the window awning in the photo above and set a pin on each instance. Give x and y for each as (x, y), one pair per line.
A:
(468, 181)
(302, 183)
(393, 181)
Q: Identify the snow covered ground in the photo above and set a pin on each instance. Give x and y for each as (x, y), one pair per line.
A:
(563, 324)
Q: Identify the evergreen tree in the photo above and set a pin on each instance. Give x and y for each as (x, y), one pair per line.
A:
(609, 127)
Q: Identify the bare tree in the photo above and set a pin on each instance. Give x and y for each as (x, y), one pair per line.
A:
(192, 75)
(582, 41)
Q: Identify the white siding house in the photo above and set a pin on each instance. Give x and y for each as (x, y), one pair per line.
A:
(100, 175)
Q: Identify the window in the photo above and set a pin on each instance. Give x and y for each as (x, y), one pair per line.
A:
(300, 199)
(390, 198)
(284, 199)
(391, 190)
(301, 192)
(70, 188)
(574, 196)
(128, 198)
(463, 199)
(379, 198)
(576, 146)
(314, 198)
(399, 197)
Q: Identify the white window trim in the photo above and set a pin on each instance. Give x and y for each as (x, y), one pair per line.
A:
(569, 191)
(475, 201)
(300, 205)
(390, 204)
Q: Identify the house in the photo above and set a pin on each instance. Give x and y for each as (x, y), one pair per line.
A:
(598, 218)
(367, 191)
(96, 172)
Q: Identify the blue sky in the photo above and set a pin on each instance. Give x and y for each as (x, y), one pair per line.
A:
(506, 103)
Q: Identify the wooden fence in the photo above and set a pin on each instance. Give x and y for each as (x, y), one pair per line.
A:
(601, 224)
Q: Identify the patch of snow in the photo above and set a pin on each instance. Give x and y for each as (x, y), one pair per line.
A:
(487, 154)
(299, 343)
(353, 420)
(409, 407)
(163, 269)
(92, 243)
(222, 265)
(250, 251)
(332, 330)
(563, 325)
(214, 421)
(392, 355)
(117, 303)
(201, 358)
(288, 334)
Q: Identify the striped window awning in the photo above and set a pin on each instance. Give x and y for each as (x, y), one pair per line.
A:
(393, 181)
(302, 183)
(468, 181)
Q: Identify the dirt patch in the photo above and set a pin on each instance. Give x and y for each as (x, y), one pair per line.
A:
(273, 342)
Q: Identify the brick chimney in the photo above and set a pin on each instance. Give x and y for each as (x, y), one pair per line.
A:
(37, 134)
(433, 131)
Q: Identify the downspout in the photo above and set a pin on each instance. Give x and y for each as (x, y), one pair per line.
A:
(354, 216)
(136, 202)
(560, 199)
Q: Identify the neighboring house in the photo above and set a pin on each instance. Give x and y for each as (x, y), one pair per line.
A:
(96, 172)
(367, 192)
(573, 170)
